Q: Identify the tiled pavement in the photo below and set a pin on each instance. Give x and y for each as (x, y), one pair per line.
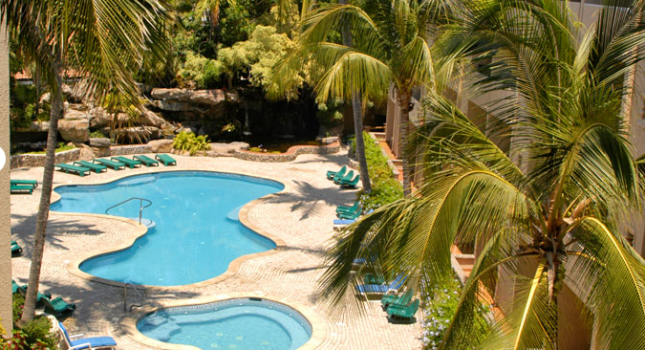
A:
(301, 216)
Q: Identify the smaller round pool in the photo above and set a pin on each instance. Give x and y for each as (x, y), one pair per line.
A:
(242, 324)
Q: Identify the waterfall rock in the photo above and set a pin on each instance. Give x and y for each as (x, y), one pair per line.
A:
(160, 146)
(75, 130)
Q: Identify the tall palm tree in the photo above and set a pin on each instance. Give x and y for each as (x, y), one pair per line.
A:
(552, 225)
(106, 42)
(392, 46)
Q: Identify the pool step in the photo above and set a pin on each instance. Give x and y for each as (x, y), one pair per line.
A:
(147, 222)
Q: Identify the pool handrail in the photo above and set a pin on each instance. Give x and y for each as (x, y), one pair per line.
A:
(141, 206)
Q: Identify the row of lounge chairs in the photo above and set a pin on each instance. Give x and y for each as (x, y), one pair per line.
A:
(344, 178)
(98, 165)
(57, 307)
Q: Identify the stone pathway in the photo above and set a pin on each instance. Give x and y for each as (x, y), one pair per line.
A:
(301, 216)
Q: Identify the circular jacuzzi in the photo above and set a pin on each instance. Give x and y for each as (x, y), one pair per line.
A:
(242, 323)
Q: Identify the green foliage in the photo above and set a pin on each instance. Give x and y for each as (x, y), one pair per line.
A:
(39, 330)
(97, 134)
(200, 72)
(18, 303)
(441, 303)
(188, 141)
(330, 114)
(61, 148)
(385, 188)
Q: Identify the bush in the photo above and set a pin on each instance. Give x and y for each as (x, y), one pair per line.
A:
(18, 305)
(39, 330)
(187, 141)
(98, 134)
(385, 188)
(35, 335)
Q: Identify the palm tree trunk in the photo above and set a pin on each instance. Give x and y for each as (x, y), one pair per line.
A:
(357, 112)
(45, 199)
(37, 83)
(404, 98)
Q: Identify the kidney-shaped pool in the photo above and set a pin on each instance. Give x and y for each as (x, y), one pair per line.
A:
(197, 233)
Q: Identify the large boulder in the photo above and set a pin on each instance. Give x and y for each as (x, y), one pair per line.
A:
(171, 94)
(86, 152)
(150, 118)
(160, 146)
(76, 130)
(202, 102)
(73, 114)
(213, 97)
(99, 117)
(100, 142)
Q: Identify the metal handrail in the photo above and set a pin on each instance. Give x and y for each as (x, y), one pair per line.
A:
(125, 296)
(141, 206)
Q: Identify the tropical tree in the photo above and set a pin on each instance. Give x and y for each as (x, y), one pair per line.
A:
(392, 46)
(550, 222)
(106, 42)
(210, 9)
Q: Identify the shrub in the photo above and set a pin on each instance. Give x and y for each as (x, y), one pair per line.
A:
(187, 141)
(18, 305)
(97, 134)
(385, 188)
(39, 331)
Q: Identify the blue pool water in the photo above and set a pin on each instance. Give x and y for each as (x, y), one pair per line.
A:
(197, 232)
(243, 324)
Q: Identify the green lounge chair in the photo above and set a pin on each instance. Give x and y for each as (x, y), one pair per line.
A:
(14, 287)
(398, 300)
(351, 215)
(147, 161)
(332, 174)
(21, 188)
(342, 208)
(346, 177)
(352, 183)
(97, 168)
(32, 183)
(403, 312)
(58, 307)
(109, 163)
(40, 297)
(129, 162)
(16, 250)
(371, 278)
(80, 170)
(165, 159)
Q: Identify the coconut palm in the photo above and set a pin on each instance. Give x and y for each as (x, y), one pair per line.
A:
(550, 222)
(392, 46)
(106, 42)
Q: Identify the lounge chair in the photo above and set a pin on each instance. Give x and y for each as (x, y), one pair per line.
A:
(371, 278)
(40, 297)
(397, 300)
(86, 343)
(351, 215)
(58, 306)
(331, 174)
(97, 168)
(166, 159)
(346, 177)
(381, 288)
(16, 249)
(80, 170)
(14, 287)
(403, 312)
(21, 189)
(343, 208)
(147, 161)
(109, 163)
(32, 183)
(350, 183)
(131, 163)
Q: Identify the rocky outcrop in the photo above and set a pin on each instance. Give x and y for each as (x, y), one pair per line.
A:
(160, 146)
(31, 160)
(100, 142)
(76, 130)
(201, 102)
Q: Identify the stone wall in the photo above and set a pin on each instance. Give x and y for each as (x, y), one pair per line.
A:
(129, 150)
(32, 160)
(288, 156)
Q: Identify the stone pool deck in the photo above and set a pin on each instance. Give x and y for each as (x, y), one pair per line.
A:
(301, 216)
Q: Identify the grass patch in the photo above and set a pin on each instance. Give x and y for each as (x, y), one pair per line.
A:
(61, 148)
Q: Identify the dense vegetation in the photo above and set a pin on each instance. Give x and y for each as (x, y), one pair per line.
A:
(34, 335)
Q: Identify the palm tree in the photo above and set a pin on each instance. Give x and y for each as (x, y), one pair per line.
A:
(551, 224)
(211, 9)
(106, 42)
(393, 46)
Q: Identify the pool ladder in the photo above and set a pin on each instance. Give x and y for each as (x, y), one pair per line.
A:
(125, 297)
(141, 206)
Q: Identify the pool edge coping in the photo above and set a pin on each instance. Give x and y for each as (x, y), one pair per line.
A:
(129, 323)
(73, 266)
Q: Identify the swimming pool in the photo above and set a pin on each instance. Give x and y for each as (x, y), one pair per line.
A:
(197, 233)
(242, 323)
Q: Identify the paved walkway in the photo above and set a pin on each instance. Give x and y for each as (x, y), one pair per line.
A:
(301, 216)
